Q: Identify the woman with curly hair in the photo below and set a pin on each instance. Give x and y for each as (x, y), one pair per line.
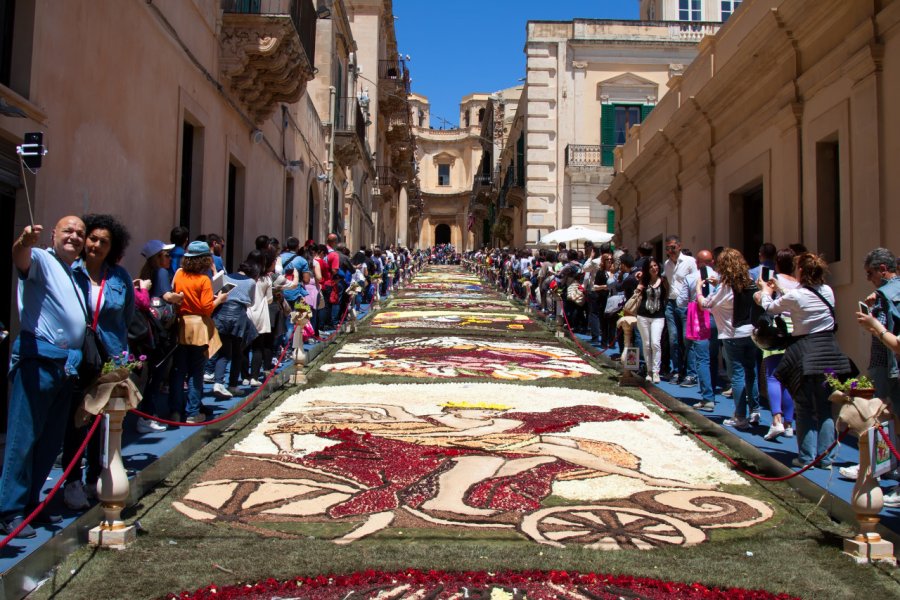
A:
(651, 315)
(109, 308)
(731, 303)
(813, 352)
(197, 335)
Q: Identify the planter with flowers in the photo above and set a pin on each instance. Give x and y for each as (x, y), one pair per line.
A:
(857, 387)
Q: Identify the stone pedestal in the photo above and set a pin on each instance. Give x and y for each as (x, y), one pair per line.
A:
(860, 415)
(113, 488)
(867, 500)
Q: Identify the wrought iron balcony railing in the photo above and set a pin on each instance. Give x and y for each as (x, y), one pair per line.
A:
(349, 118)
(302, 13)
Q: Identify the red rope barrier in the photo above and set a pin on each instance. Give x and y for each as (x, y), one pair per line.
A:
(227, 415)
(735, 463)
(577, 342)
(887, 440)
(337, 329)
(56, 487)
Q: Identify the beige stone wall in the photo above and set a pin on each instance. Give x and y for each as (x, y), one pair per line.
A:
(760, 120)
(115, 99)
(573, 69)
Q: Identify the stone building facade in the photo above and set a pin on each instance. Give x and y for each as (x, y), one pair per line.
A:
(587, 81)
(212, 114)
(781, 130)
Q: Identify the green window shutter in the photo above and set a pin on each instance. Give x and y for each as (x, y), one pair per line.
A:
(645, 110)
(520, 160)
(610, 221)
(607, 133)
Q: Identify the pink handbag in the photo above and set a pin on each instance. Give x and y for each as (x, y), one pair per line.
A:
(696, 327)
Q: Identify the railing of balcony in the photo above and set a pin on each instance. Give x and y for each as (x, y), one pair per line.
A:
(349, 118)
(482, 179)
(692, 31)
(385, 175)
(302, 13)
(395, 71)
(578, 155)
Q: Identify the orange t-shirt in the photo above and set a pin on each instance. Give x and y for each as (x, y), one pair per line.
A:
(198, 294)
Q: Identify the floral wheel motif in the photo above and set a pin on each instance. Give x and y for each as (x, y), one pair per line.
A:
(706, 509)
(608, 528)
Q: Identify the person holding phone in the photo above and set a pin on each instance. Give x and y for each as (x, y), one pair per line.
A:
(235, 329)
(781, 403)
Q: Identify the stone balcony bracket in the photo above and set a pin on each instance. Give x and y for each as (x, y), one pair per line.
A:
(263, 62)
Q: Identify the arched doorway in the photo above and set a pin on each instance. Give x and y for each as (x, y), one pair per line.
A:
(442, 234)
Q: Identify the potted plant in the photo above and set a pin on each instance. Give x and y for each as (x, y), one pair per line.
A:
(860, 387)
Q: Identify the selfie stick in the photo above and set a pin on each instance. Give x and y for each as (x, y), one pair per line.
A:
(29, 150)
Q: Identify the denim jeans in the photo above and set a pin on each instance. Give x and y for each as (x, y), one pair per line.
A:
(715, 344)
(780, 401)
(742, 352)
(230, 355)
(815, 426)
(675, 319)
(39, 402)
(698, 353)
(189, 362)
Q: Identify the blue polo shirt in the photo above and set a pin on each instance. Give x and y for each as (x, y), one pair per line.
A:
(51, 305)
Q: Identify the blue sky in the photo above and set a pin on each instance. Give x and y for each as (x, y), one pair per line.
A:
(465, 46)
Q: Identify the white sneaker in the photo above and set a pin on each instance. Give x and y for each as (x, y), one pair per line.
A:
(209, 377)
(245, 382)
(221, 391)
(893, 498)
(789, 431)
(255, 382)
(775, 430)
(851, 472)
(74, 496)
(149, 426)
(754, 418)
(737, 423)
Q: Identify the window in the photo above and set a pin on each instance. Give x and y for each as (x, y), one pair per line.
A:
(480, 115)
(828, 188)
(728, 7)
(444, 174)
(689, 10)
(615, 119)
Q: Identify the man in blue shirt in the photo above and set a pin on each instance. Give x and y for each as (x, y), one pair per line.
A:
(291, 260)
(179, 236)
(43, 367)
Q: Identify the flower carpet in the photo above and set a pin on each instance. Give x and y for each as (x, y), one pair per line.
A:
(466, 320)
(457, 357)
(450, 462)
(442, 302)
(429, 456)
(508, 585)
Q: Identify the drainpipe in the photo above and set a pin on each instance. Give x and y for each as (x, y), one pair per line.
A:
(329, 191)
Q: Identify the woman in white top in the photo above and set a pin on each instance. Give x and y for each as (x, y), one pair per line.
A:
(730, 304)
(813, 353)
(780, 402)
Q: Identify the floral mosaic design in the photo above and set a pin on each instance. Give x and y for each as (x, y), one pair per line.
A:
(442, 302)
(458, 319)
(506, 585)
(447, 288)
(376, 457)
(455, 357)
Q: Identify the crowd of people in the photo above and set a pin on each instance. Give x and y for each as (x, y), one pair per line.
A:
(760, 335)
(443, 254)
(182, 322)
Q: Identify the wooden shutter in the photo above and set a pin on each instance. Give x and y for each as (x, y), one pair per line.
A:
(607, 133)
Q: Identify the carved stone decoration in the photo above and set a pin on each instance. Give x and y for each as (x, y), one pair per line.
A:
(263, 62)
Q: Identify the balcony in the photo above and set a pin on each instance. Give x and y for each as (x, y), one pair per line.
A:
(393, 74)
(267, 52)
(386, 176)
(349, 131)
(578, 155)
